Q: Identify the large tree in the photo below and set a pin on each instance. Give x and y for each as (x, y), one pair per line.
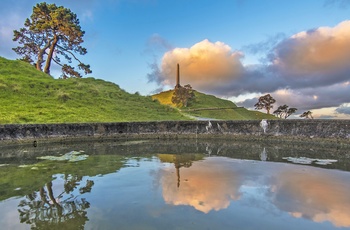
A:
(183, 95)
(265, 102)
(284, 111)
(52, 32)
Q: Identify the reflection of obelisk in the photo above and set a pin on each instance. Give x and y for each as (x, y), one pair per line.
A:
(178, 77)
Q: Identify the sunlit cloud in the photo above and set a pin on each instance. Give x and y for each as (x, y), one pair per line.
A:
(313, 197)
(312, 58)
(317, 57)
(311, 67)
(205, 65)
(206, 185)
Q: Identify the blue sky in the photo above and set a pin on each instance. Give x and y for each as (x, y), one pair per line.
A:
(235, 49)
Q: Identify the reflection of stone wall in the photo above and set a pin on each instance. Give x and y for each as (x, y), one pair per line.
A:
(292, 129)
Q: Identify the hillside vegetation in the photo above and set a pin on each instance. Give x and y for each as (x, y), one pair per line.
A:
(211, 107)
(30, 96)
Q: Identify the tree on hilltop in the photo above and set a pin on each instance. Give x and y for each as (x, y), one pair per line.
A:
(284, 111)
(265, 102)
(52, 32)
(183, 95)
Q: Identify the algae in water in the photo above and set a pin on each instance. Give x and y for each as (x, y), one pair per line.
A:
(72, 156)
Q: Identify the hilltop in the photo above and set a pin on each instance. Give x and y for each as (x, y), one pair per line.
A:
(211, 107)
(30, 96)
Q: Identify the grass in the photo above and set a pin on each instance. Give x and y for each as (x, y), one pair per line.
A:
(216, 108)
(30, 96)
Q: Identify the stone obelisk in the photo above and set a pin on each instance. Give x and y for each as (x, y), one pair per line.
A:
(177, 77)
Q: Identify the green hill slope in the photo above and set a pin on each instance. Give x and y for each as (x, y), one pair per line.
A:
(30, 96)
(208, 106)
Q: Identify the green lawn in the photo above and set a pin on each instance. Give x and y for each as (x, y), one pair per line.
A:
(30, 96)
(217, 108)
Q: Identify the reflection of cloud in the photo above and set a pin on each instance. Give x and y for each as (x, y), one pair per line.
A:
(317, 196)
(305, 192)
(206, 185)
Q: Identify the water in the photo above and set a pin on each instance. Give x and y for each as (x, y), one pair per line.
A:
(174, 185)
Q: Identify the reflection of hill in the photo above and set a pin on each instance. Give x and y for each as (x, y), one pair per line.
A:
(106, 157)
(19, 181)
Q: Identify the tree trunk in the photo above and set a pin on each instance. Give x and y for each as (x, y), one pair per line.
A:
(50, 55)
(41, 56)
(40, 60)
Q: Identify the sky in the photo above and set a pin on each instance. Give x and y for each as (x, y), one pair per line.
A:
(298, 51)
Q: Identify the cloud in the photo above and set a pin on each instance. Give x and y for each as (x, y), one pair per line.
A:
(156, 44)
(205, 65)
(308, 70)
(313, 196)
(317, 57)
(344, 109)
(201, 188)
(265, 46)
(308, 98)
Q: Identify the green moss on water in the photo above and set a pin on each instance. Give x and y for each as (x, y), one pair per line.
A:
(19, 180)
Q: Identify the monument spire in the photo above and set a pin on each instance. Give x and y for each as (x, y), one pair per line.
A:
(177, 77)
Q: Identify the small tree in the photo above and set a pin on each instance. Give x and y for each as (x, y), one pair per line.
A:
(265, 102)
(284, 111)
(183, 95)
(50, 33)
(307, 115)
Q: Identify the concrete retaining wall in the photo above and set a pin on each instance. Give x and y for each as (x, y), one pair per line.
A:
(286, 129)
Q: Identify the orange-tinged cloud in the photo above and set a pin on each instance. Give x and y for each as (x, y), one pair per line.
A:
(317, 52)
(317, 196)
(203, 65)
(205, 185)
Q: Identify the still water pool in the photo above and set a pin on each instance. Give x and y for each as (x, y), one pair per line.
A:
(174, 185)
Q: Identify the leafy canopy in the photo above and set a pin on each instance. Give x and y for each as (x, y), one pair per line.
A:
(284, 111)
(183, 95)
(265, 102)
(52, 32)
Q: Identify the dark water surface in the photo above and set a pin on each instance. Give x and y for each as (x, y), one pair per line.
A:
(177, 184)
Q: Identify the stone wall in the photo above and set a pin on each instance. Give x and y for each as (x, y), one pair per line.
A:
(338, 130)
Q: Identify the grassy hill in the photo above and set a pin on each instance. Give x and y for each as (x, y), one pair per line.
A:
(30, 96)
(208, 106)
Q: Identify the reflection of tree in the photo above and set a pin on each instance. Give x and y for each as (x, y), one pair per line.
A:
(210, 184)
(182, 161)
(44, 210)
(179, 160)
